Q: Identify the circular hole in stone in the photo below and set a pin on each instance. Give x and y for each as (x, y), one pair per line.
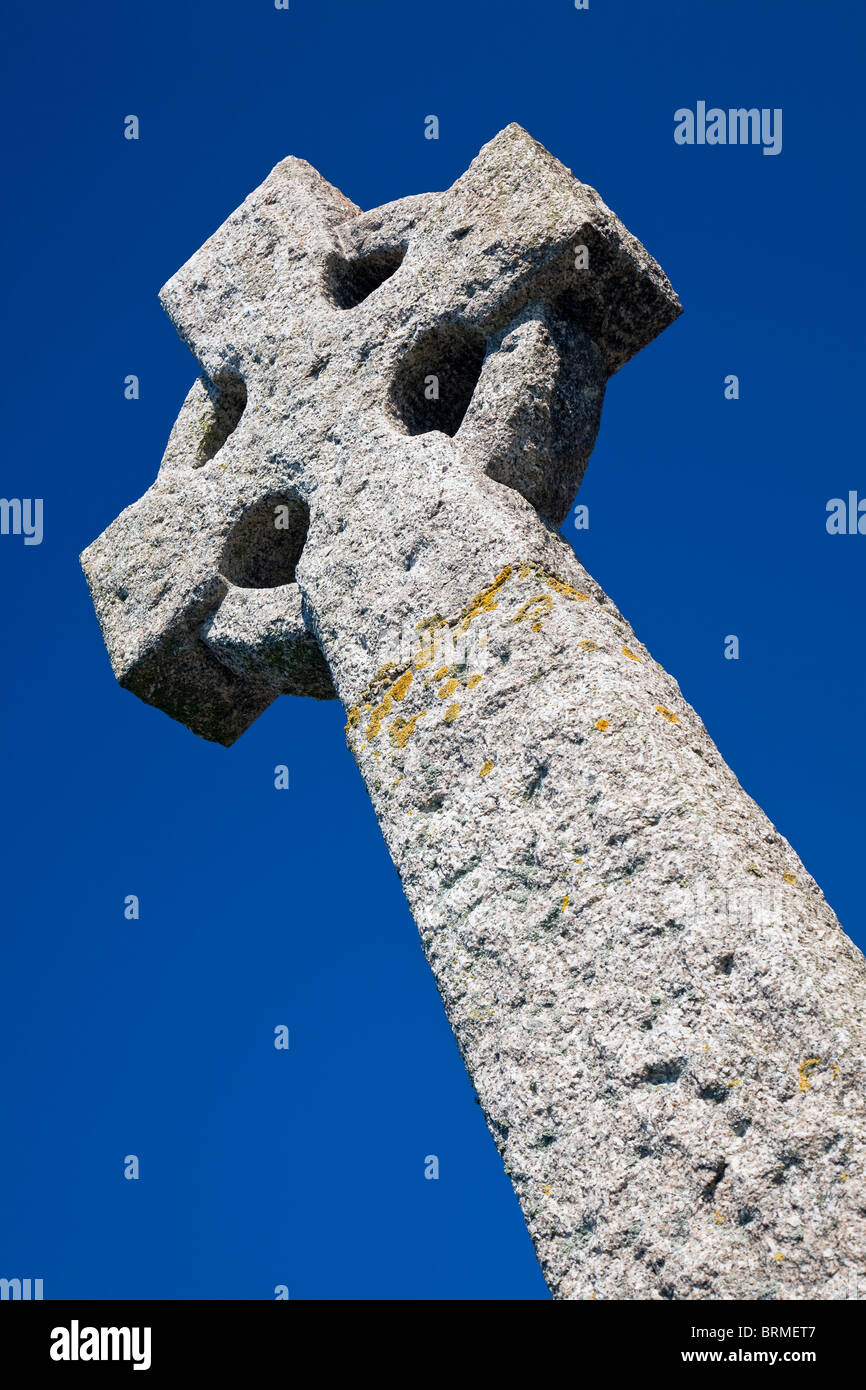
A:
(433, 384)
(263, 548)
(349, 282)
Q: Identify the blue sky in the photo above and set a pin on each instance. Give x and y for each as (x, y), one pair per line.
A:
(259, 907)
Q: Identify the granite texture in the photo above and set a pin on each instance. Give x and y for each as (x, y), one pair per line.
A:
(661, 1015)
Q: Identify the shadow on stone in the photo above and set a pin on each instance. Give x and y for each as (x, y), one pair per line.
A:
(262, 550)
(349, 282)
(435, 381)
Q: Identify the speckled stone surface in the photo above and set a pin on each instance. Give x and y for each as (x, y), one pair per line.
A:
(659, 1011)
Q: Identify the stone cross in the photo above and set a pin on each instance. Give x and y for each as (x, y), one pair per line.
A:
(661, 1016)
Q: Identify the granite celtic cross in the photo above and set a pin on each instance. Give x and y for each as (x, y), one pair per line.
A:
(661, 1016)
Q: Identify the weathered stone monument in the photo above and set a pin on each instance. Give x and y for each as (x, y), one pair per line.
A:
(661, 1015)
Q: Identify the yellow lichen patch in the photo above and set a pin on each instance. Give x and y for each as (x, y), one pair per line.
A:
(566, 900)
(482, 641)
(663, 710)
(778, 1257)
(558, 585)
(486, 767)
(443, 672)
(790, 878)
(432, 623)
(602, 724)
(429, 645)
(425, 656)
(378, 715)
(631, 656)
(546, 1189)
(733, 1083)
(803, 1071)
(562, 588)
(486, 601)
(354, 717)
(843, 1177)
(719, 1219)
(448, 689)
(536, 607)
(473, 681)
(835, 1071)
(400, 687)
(451, 713)
(588, 645)
(402, 730)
